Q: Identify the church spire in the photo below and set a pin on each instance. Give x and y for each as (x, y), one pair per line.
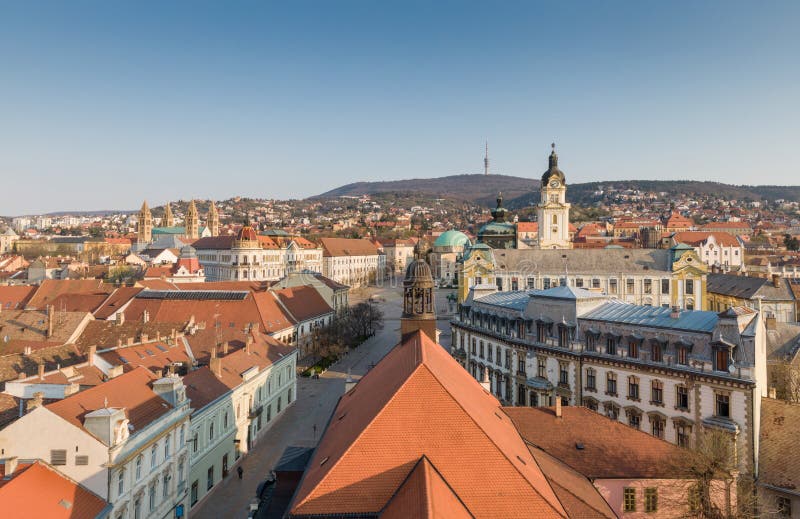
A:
(553, 157)
(192, 224)
(169, 220)
(419, 310)
(144, 229)
(212, 220)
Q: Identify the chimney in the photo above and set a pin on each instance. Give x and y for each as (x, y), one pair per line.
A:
(215, 365)
(90, 355)
(130, 341)
(771, 322)
(10, 467)
(145, 316)
(776, 280)
(144, 337)
(214, 352)
(158, 336)
(255, 328)
(558, 406)
(675, 313)
(50, 321)
(36, 401)
(27, 350)
(487, 385)
(225, 346)
(119, 343)
(114, 371)
(773, 393)
(248, 343)
(41, 370)
(120, 318)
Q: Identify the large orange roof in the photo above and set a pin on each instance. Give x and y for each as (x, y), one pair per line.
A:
(50, 289)
(611, 449)
(425, 493)
(131, 391)
(38, 490)
(303, 302)
(696, 238)
(15, 297)
(419, 402)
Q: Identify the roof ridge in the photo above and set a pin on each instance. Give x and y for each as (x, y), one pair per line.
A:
(360, 434)
(491, 439)
(568, 467)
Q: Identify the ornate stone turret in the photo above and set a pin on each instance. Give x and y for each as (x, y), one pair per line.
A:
(553, 209)
(192, 222)
(144, 228)
(212, 220)
(419, 311)
(169, 220)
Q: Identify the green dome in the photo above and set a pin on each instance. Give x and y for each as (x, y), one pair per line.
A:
(452, 238)
(497, 228)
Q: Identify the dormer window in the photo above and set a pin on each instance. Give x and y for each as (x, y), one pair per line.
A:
(721, 358)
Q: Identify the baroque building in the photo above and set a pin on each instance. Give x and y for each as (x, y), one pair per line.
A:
(666, 371)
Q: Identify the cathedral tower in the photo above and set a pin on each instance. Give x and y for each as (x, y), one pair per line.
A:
(169, 220)
(553, 209)
(419, 311)
(144, 228)
(212, 220)
(192, 222)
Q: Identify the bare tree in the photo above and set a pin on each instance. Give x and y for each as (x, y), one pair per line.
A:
(785, 377)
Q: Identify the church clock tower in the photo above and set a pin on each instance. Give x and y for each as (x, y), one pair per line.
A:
(553, 209)
(419, 311)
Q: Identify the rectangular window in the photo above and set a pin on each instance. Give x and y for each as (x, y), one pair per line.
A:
(629, 499)
(721, 357)
(81, 460)
(682, 397)
(542, 368)
(546, 284)
(590, 379)
(683, 355)
(650, 500)
(635, 420)
(657, 352)
(665, 286)
(521, 366)
(657, 392)
(682, 434)
(689, 287)
(210, 478)
(58, 457)
(611, 384)
(611, 345)
(633, 388)
(612, 286)
(579, 282)
(595, 283)
(723, 405)
(531, 283)
(152, 496)
(633, 349)
(658, 427)
(193, 499)
(648, 286)
(590, 342)
(563, 374)
(629, 286)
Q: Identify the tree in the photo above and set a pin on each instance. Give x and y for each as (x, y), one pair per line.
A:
(711, 479)
(785, 377)
(790, 242)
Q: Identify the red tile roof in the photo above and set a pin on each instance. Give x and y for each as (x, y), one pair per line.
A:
(303, 302)
(118, 299)
(154, 355)
(347, 247)
(695, 238)
(50, 289)
(611, 449)
(38, 490)
(380, 430)
(425, 493)
(13, 297)
(527, 226)
(131, 391)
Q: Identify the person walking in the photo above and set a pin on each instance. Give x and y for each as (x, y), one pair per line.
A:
(240, 471)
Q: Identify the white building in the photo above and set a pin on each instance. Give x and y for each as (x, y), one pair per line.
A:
(665, 371)
(125, 440)
(716, 249)
(253, 257)
(354, 262)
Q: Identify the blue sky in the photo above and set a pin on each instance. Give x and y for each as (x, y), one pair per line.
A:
(103, 104)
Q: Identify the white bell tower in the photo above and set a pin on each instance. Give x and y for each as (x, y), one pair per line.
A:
(553, 209)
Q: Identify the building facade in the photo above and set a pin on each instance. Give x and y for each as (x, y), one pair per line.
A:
(662, 370)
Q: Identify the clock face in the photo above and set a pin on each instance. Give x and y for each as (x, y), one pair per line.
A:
(554, 183)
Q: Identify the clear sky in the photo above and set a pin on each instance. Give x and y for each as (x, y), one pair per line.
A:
(106, 103)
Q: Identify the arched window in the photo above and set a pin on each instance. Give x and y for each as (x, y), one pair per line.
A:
(555, 219)
(121, 482)
(139, 462)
